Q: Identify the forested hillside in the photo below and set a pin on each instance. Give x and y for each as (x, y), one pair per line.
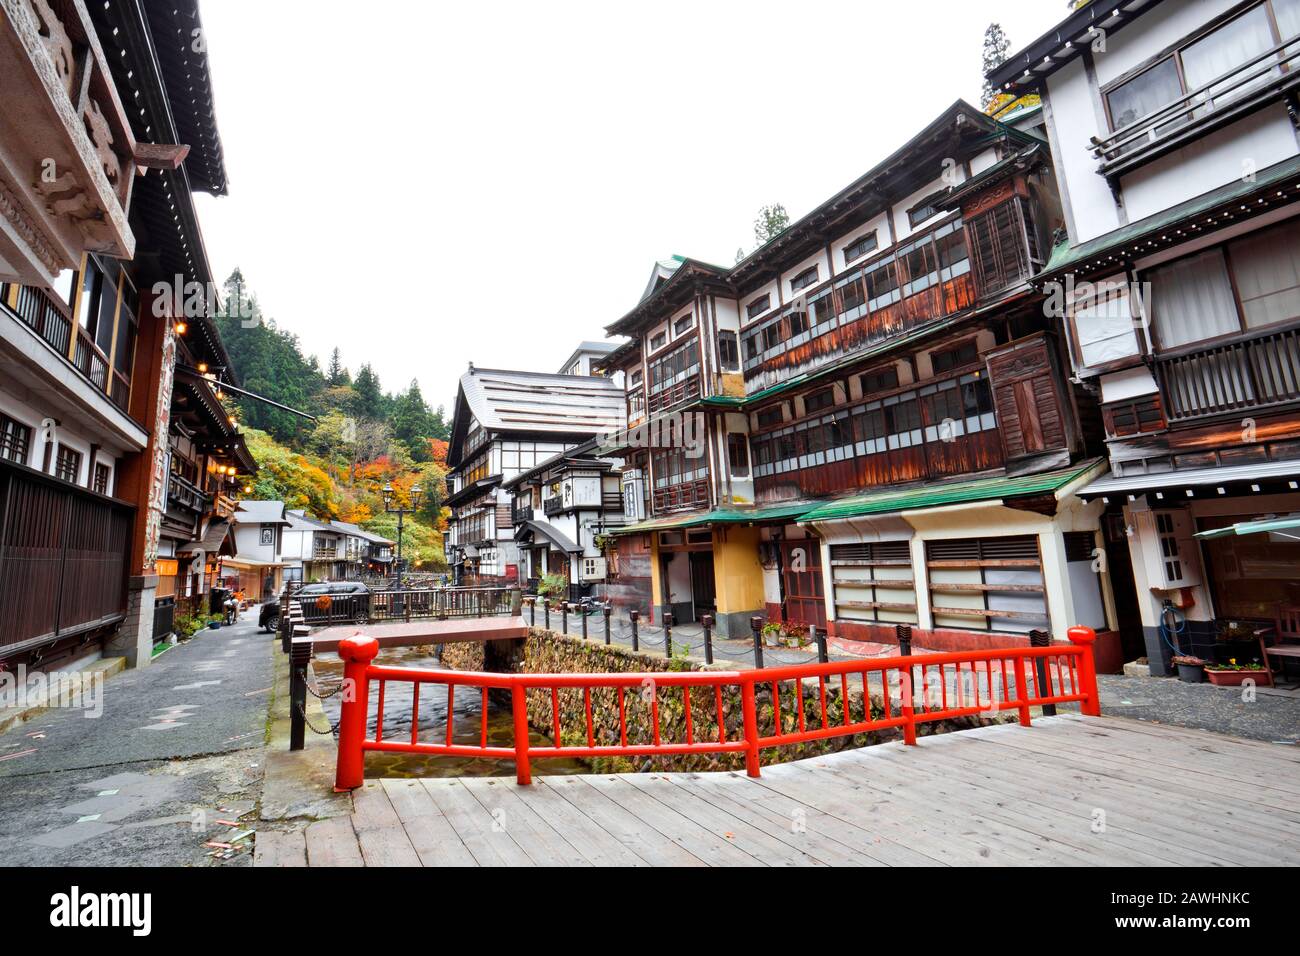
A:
(362, 438)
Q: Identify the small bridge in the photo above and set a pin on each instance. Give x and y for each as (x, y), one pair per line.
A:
(1069, 791)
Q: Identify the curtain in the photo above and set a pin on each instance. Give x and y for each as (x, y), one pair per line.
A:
(1192, 300)
(1231, 45)
(1267, 269)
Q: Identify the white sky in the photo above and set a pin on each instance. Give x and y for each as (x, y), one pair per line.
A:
(428, 184)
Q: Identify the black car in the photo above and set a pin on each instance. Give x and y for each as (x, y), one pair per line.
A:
(334, 602)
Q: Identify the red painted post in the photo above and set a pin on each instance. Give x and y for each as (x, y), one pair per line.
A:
(519, 708)
(905, 692)
(750, 715)
(356, 653)
(1085, 637)
(1022, 691)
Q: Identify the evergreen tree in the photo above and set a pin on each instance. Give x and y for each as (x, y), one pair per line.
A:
(996, 46)
(771, 221)
(337, 373)
(368, 400)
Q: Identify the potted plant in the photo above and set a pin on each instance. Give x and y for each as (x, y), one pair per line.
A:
(796, 634)
(1233, 674)
(1191, 670)
(772, 634)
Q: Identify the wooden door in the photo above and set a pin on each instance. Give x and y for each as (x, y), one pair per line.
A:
(801, 575)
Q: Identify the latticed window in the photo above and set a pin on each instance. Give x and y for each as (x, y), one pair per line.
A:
(67, 464)
(101, 478)
(1001, 242)
(15, 440)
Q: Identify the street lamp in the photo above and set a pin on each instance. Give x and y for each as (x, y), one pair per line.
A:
(416, 493)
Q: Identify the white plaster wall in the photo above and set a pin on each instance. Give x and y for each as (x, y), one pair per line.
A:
(823, 273)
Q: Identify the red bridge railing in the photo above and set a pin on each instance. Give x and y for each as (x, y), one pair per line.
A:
(930, 687)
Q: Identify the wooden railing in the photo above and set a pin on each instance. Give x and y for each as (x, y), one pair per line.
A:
(720, 709)
(185, 494)
(684, 497)
(1252, 372)
(51, 321)
(1255, 80)
(63, 559)
(674, 395)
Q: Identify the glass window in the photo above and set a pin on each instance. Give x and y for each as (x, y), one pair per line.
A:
(804, 279)
(1266, 267)
(684, 324)
(881, 380)
(853, 297)
(1287, 14)
(1232, 44)
(728, 351)
(738, 455)
(860, 246)
(1144, 94)
(67, 464)
(759, 306)
(816, 401)
(15, 440)
(882, 285)
(1191, 299)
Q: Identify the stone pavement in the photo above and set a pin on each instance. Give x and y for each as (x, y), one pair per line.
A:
(1226, 710)
(177, 748)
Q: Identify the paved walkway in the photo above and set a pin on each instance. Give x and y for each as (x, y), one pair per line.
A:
(1068, 791)
(1227, 710)
(178, 747)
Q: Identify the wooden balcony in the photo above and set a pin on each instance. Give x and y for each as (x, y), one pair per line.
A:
(185, 496)
(1270, 77)
(63, 559)
(688, 496)
(66, 173)
(1253, 372)
(51, 320)
(674, 395)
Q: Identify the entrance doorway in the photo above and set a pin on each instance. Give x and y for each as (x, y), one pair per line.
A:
(1119, 562)
(703, 591)
(801, 575)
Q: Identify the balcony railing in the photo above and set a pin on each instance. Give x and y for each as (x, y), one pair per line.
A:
(553, 506)
(674, 395)
(182, 493)
(684, 497)
(1252, 372)
(52, 322)
(1254, 82)
(521, 513)
(63, 559)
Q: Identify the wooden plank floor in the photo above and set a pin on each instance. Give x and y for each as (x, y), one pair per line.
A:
(1071, 790)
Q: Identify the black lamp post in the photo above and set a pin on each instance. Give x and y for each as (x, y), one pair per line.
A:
(401, 513)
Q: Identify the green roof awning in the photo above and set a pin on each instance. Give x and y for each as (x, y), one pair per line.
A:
(1267, 526)
(719, 516)
(1065, 256)
(953, 493)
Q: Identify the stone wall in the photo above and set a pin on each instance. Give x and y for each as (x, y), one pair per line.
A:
(547, 652)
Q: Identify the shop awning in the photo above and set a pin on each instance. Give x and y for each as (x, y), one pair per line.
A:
(1166, 481)
(790, 512)
(248, 564)
(539, 530)
(1288, 527)
(953, 493)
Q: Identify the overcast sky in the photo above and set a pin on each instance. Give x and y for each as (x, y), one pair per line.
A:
(426, 184)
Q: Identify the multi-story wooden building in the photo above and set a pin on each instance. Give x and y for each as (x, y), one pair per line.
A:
(116, 457)
(1175, 131)
(562, 510)
(504, 425)
(868, 420)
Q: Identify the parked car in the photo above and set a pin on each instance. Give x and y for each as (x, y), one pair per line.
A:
(331, 602)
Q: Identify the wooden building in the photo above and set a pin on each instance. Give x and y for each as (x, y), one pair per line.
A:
(117, 460)
(505, 425)
(868, 420)
(1175, 133)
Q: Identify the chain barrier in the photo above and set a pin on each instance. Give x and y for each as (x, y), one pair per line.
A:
(331, 728)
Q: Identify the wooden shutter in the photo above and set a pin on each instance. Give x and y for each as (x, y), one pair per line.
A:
(1027, 397)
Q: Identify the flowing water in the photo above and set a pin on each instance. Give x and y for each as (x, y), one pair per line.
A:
(467, 713)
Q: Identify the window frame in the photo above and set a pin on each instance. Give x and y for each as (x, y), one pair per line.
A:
(864, 245)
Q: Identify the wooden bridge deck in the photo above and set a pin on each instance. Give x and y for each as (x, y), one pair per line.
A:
(1070, 790)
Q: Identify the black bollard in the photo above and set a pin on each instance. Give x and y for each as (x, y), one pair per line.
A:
(564, 617)
(756, 625)
(632, 616)
(532, 612)
(707, 622)
(819, 635)
(668, 634)
(904, 632)
(546, 613)
(583, 611)
(608, 612)
(1041, 639)
(299, 659)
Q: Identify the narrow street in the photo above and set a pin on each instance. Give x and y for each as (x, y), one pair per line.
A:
(177, 748)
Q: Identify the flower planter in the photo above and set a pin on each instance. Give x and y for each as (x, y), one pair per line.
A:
(1191, 673)
(1237, 678)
